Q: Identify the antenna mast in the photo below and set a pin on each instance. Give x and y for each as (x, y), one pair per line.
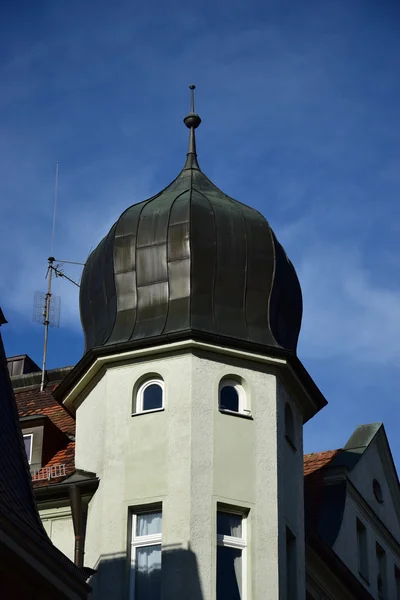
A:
(46, 317)
(47, 306)
(55, 208)
(46, 312)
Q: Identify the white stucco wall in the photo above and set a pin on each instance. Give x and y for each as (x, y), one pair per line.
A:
(58, 525)
(370, 467)
(291, 481)
(346, 543)
(190, 457)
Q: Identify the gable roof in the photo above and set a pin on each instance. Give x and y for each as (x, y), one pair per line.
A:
(314, 466)
(324, 504)
(31, 402)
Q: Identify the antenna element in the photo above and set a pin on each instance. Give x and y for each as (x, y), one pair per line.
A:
(55, 208)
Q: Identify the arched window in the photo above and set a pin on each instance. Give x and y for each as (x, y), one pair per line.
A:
(149, 396)
(232, 397)
(289, 426)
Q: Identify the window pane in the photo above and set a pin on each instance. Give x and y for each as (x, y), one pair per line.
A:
(28, 442)
(229, 398)
(148, 524)
(229, 524)
(229, 573)
(152, 397)
(148, 573)
(362, 543)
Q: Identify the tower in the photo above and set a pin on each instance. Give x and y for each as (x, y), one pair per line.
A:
(190, 401)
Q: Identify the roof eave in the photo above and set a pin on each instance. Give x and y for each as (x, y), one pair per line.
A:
(308, 394)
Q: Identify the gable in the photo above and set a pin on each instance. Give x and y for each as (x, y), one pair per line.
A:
(375, 463)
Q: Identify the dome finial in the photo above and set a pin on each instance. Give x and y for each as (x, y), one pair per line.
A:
(192, 121)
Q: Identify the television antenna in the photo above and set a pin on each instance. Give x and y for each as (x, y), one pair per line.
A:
(47, 305)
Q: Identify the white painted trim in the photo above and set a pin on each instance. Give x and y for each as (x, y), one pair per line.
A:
(155, 350)
(29, 435)
(242, 407)
(139, 396)
(141, 541)
(238, 543)
(231, 541)
(71, 398)
(303, 397)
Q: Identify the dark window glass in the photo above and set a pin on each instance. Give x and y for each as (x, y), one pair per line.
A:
(148, 573)
(289, 425)
(152, 397)
(28, 445)
(291, 565)
(362, 544)
(229, 524)
(229, 573)
(381, 579)
(229, 398)
(377, 491)
(397, 578)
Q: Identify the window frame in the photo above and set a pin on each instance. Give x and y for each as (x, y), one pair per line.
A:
(362, 550)
(397, 581)
(291, 564)
(381, 571)
(242, 398)
(30, 436)
(141, 541)
(237, 543)
(138, 406)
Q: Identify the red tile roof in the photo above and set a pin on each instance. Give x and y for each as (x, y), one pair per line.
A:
(318, 460)
(32, 402)
(314, 466)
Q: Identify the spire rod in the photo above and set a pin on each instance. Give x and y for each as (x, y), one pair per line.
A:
(192, 121)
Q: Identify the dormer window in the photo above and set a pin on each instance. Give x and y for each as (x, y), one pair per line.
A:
(28, 439)
(232, 397)
(150, 396)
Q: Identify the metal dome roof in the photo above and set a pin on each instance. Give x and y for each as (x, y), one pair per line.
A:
(190, 261)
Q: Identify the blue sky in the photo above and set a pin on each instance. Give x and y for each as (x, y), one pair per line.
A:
(300, 107)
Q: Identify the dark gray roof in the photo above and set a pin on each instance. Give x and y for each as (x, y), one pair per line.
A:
(17, 506)
(15, 480)
(190, 260)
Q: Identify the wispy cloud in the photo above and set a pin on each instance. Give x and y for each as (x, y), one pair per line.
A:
(300, 120)
(347, 314)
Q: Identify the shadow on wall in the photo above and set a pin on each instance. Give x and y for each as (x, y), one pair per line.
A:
(179, 577)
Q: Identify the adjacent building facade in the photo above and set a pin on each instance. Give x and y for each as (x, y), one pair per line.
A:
(170, 458)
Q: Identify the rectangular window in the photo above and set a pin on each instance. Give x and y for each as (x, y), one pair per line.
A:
(362, 545)
(28, 446)
(397, 582)
(381, 568)
(146, 556)
(231, 556)
(291, 565)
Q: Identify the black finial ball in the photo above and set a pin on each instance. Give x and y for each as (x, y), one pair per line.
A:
(192, 87)
(192, 120)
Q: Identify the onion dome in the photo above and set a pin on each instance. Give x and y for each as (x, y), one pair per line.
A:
(190, 262)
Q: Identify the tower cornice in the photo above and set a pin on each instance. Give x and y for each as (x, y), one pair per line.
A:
(285, 365)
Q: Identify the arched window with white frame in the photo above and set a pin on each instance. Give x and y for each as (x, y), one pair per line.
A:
(232, 397)
(149, 396)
